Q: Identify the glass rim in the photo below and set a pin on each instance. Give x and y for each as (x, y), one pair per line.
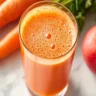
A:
(64, 7)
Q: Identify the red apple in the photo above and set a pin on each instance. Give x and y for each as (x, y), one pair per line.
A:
(89, 49)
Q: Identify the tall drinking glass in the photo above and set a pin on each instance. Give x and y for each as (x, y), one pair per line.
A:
(48, 35)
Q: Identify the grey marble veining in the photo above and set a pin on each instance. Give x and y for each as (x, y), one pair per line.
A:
(82, 81)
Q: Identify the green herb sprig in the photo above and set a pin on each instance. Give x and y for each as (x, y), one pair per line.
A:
(79, 8)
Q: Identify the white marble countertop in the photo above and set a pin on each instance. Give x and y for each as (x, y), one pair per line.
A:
(82, 81)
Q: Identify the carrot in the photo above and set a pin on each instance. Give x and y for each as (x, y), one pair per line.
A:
(1, 1)
(10, 10)
(9, 43)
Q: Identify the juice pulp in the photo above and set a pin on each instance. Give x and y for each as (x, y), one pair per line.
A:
(48, 33)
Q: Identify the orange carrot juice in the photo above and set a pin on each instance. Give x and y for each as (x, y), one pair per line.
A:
(48, 39)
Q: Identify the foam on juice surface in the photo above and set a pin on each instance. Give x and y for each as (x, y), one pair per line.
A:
(48, 32)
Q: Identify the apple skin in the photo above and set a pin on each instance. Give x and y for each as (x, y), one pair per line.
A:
(89, 49)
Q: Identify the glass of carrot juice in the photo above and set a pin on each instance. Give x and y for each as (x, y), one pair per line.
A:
(48, 35)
